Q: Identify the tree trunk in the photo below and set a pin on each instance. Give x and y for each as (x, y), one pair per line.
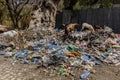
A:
(1, 14)
(16, 23)
(45, 15)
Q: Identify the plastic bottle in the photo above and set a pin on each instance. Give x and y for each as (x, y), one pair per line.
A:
(63, 71)
(85, 75)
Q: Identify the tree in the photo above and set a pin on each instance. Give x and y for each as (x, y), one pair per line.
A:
(106, 3)
(2, 10)
(88, 3)
(16, 10)
(69, 4)
(44, 13)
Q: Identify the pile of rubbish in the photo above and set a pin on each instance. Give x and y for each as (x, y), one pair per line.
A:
(80, 49)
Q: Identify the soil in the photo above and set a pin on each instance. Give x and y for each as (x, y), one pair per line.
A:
(20, 71)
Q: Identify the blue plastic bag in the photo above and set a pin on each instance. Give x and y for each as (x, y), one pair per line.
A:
(21, 54)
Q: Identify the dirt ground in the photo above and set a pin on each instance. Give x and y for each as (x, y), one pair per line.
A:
(18, 71)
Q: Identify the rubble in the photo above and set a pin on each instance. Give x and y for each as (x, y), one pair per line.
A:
(86, 51)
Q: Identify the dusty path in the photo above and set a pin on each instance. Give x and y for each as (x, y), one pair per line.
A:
(17, 71)
(29, 72)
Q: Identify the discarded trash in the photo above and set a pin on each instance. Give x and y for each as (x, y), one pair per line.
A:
(34, 60)
(2, 53)
(2, 47)
(84, 49)
(73, 54)
(45, 59)
(9, 34)
(110, 41)
(96, 41)
(36, 48)
(21, 54)
(8, 54)
(25, 61)
(86, 57)
(63, 71)
(76, 63)
(72, 48)
(85, 75)
(50, 47)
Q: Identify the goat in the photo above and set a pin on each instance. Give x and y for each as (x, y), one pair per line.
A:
(71, 27)
(88, 27)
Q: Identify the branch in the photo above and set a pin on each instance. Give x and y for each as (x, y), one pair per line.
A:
(12, 3)
(8, 5)
(21, 16)
(19, 9)
(2, 2)
(22, 4)
(56, 2)
(10, 11)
